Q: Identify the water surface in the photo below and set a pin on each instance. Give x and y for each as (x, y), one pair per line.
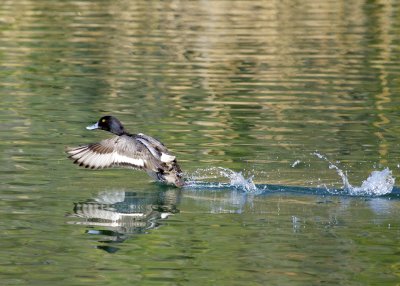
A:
(245, 94)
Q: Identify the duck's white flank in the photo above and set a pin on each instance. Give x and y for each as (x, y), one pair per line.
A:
(167, 158)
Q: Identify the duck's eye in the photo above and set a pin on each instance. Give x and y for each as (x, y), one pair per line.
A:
(103, 120)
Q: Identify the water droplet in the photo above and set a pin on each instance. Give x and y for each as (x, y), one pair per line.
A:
(295, 163)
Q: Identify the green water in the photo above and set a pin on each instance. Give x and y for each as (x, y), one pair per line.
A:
(252, 86)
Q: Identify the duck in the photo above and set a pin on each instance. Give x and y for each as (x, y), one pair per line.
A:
(138, 151)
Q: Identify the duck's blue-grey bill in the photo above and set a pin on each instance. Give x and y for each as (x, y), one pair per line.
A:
(94, 126)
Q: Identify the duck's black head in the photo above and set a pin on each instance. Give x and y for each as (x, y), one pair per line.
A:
(110, 124)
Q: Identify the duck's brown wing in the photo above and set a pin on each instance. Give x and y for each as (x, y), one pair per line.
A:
(119, 151)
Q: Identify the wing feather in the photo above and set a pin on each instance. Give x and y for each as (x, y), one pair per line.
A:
(116, 151)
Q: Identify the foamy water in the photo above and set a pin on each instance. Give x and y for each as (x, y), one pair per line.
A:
(201, 178)
(378, 183)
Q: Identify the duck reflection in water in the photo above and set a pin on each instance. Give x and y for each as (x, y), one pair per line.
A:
(119, 214)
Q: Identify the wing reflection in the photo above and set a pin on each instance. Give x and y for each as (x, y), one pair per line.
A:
(118, 214)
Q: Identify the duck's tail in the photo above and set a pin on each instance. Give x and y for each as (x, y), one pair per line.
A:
(170, 174)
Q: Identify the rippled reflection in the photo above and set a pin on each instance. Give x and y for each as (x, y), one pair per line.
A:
(117, 214)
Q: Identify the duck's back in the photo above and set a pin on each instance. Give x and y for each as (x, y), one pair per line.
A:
(156, 148)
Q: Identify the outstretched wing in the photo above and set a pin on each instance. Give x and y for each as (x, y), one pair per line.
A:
(119, 151)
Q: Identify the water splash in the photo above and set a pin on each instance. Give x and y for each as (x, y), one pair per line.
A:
(236, 179)
(378, 183)
(342, 175)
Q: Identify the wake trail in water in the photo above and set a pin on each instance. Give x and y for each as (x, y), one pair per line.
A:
(378, 183)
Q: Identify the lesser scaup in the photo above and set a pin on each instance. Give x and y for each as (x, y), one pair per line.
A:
(128, 150)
